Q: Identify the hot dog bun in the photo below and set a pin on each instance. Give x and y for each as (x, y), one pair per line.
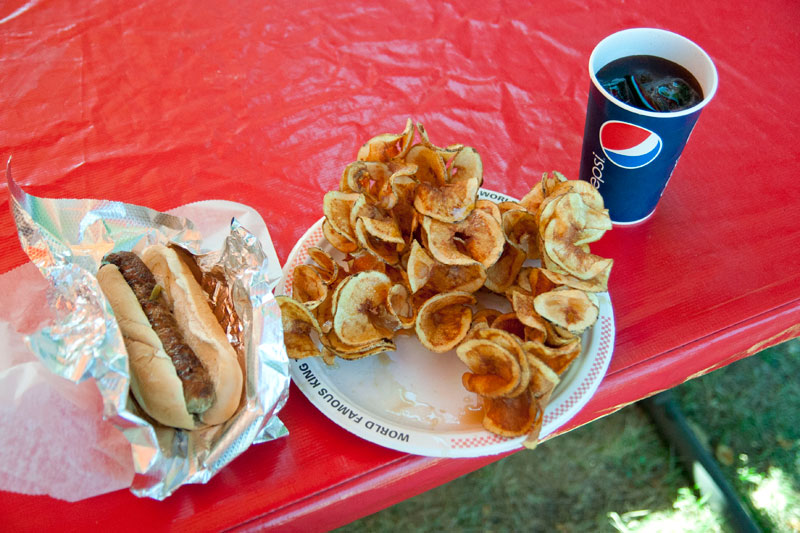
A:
(154, 380)
(200, 329)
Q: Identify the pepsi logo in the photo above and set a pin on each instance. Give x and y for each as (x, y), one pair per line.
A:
(628, 145)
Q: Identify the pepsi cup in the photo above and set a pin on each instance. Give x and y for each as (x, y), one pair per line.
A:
(629, 154)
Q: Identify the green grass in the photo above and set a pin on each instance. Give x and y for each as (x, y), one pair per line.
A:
(616, 474)
(750, 415)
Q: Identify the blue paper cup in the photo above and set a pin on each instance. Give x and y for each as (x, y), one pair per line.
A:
(629, 154)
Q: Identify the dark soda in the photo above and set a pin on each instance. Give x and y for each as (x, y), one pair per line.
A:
(651, 83)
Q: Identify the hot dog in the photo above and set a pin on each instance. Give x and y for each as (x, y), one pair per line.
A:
(184, 372)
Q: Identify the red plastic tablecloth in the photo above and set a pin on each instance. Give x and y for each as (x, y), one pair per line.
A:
(264, 103)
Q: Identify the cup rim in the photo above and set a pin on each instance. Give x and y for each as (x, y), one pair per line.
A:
(707, 96)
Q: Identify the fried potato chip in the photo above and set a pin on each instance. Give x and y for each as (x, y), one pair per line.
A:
(377, 221)
(571, 309)
(400, 306)
(545, 213)
(361, 298)
(534, 326)
(299, 329)
(308, 287)
(549, 183)
(596, 284)
(334, 344)
(512, 344)
(491, 208)
(419, 298)
(589, 224)
(494, 371)
(373, 349)
(425, 141)
(324, 311)
(398, 276)
(557, 358)
(451, 202)
(336, 206)
(566, 225)
(563, 333)
(443, 321)
(543, 380)
(380, 148)
(510, 323)
(404, 189)
(511, 417)
(328, 356)
(487, 316)
(401, 169)
(477, 238)
(523, 281)
(384, 230)
(376, 181)
(539, 282)
(476, 326)
(589, 195)
(338, 240)
(334, 299)
(384, 250)
(326, 266)
(337, 347)
(466, 166)
(520, 229)
(531, 201)
(363, 261)
(572, 259)
(501, 275)
(420, 267)
(367, 178)
(431, 168)
(524, 307)
(448, 152)
(557, 336)
(588, 236)
(505, 207)
(548, 263)
(386, 146)
(534, 334)
(458, 278)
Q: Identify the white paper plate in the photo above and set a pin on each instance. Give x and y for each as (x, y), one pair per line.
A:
(412, 400)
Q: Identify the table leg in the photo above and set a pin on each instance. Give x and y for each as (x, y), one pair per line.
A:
(673, 427)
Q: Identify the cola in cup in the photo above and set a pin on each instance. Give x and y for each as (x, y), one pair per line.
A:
(647, 89)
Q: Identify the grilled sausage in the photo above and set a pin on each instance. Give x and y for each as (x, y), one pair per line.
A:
(198, 390)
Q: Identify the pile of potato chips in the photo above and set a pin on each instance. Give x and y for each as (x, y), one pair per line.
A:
(417, 244)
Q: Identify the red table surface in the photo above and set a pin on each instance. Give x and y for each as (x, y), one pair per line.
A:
(264, 103)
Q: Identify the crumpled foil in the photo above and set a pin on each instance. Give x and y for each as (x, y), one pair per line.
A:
(67, 240)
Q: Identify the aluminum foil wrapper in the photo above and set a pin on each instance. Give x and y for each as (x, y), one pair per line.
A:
(67, 240)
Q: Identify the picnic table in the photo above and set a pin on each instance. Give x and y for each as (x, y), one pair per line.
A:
(264, 103)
